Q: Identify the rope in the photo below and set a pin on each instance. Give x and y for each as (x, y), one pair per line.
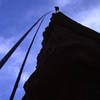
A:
(11, 51)
(23, 64)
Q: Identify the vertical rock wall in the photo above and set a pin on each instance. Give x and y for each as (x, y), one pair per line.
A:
(68, 63)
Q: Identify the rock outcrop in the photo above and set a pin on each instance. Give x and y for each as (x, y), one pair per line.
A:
(68, 65)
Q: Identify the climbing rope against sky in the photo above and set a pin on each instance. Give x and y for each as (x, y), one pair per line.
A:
(11, 51)
(23, 64)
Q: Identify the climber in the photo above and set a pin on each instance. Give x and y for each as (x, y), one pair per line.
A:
(56, 9)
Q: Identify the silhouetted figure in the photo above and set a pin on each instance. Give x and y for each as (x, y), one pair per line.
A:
(57, 9)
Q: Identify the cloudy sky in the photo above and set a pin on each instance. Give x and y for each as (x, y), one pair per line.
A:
(16, 16)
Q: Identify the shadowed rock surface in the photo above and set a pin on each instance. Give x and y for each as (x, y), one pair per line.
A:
(68, 63)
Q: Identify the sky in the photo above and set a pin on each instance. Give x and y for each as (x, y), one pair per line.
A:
(17, 16)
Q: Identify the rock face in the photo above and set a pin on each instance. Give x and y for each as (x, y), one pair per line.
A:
(68, 66)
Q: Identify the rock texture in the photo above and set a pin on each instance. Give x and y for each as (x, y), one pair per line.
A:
(68, 66)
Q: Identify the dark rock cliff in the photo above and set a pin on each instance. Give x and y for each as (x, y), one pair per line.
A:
(68, 64)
